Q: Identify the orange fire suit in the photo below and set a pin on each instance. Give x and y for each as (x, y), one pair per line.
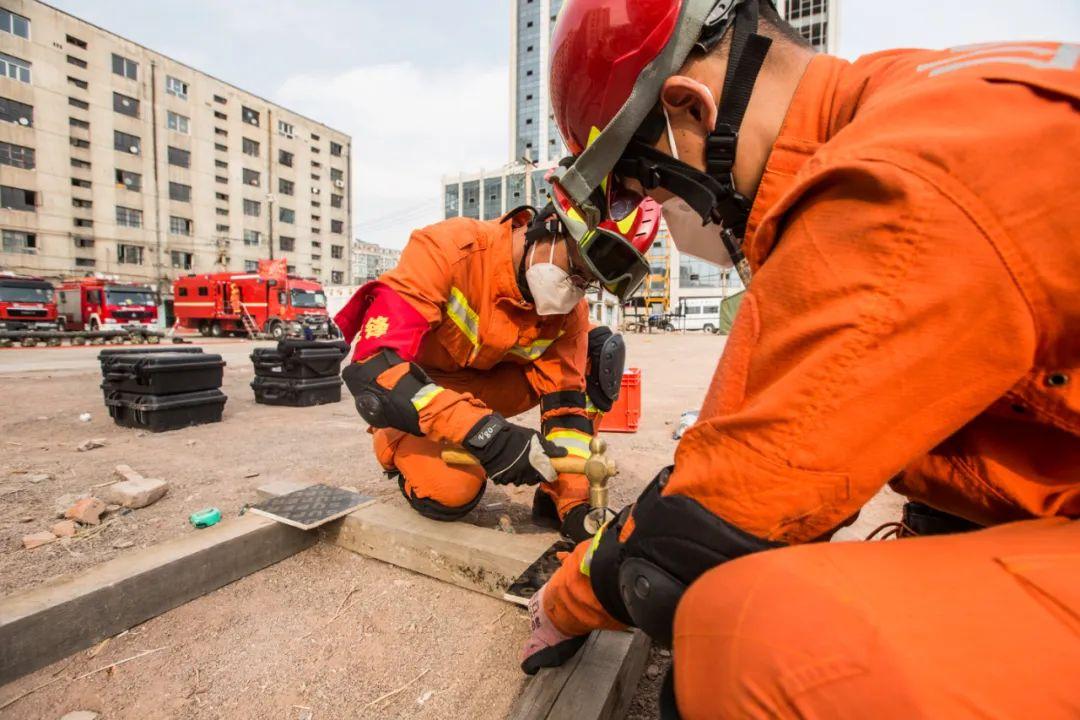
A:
(452, 305)
(914, 314)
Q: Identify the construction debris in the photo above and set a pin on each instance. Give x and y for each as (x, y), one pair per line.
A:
(86, 511)
(93, 444)
(136, 493)
(40, 477)
(123, 544)
(37, 539)
(81, 715)
(64, 528)
(85, 417)
(126, 472)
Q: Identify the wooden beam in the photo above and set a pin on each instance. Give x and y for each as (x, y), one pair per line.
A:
(461, 554)
(70, 613)
(598, 683)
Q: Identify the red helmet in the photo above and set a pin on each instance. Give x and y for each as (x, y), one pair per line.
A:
(609, 61)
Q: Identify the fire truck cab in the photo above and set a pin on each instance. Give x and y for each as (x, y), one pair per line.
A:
(26, 303)
(95, 304)
(238, 303)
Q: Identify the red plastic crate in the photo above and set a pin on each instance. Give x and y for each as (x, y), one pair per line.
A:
(625, 414)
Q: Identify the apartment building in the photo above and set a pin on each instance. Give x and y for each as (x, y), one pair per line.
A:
(119, 161)
(371, 260)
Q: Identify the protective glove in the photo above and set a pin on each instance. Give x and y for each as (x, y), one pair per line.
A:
(511, 454)
(547, 645)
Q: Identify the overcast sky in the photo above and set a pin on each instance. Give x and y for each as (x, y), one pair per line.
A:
(422, 86)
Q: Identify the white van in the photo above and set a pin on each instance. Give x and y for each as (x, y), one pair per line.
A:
(700, 314)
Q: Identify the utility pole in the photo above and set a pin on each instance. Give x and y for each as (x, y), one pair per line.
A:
(159, 269)
(270, 176)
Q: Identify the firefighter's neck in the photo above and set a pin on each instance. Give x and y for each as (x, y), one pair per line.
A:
(775, 87)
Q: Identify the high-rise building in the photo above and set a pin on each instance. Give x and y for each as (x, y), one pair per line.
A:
(534, 135)
(371, 260)
(120, 161)
(817, 20)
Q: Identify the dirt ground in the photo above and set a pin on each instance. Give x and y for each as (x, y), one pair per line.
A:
(324, 634)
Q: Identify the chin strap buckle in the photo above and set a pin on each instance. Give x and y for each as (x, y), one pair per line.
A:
(720, 152)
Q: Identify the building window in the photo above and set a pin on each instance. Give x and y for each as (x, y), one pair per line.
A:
(84, 222)
(15, 68)
(285, 187)
(128, 217)
(337, 251)
(220, 100)
(221, 131)
(250, 147)
(179, 157)
(221, 164)
(80, 183)
(125, 105)
(283, 128)
(336, 200)
(285, 158)
(222, 211)
(80, 203)
(16, 112)
(129, 254)
(315, 178)
(221, 196)
(123, 66)
(83, 242)
(251, 266)
(81, 84)
(76, 41)
(77, 62)
(252, 208)
(286, 244)
(252, 237)
(16, 156)
(450, 201)
(223, 229)
(81, 104)
(337, 226)
(336, 148)
(220, 115)
(337, 176)
(76, 122)
(14, 24)
(128, 180)
(221, 179)
(220, 147)
(181, 260)
(179, 225)
(251, 117)
(78, 142)
(126, 143)
(176, 86)
(286, 215)
(177, 122)
(85, 262)
(251, 177)
(16, 241)
(337, 277)
(81, 164)
(179, 191)
(13, 198)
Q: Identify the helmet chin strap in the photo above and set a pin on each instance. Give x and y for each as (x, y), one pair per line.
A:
(712, 193)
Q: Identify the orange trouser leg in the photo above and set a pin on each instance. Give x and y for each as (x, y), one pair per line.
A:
(433, 488)
(983, 624)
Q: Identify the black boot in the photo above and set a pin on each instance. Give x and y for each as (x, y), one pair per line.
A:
(544, 512)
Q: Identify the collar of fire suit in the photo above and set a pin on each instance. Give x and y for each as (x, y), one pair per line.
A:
(504, 282)
(806, 127)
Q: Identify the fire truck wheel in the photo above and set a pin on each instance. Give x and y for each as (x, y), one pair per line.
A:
(216, 330)
(277, 330)
(204, 328)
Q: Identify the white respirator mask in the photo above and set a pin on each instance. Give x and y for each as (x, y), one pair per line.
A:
(552, 290)
(688, 230)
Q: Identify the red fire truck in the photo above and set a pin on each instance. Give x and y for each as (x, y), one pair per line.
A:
(267, 302)
(97, 304)
(26, 303)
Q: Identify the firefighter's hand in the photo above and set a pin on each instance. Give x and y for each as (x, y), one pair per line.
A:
(511, 454)
(547, 646)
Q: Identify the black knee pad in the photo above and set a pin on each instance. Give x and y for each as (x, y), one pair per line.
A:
(436, 510)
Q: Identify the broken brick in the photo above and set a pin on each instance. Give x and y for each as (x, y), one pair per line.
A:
(86, 511)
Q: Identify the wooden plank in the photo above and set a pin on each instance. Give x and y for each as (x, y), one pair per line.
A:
(476, 558)
(67, 614)
(597, 683)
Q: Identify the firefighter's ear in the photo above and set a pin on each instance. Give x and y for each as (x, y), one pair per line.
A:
(690, 104)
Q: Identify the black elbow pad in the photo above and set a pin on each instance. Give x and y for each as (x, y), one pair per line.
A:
(675, 540)
(383, 408)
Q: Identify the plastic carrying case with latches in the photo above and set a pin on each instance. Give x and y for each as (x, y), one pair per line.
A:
(296, 392)
(163, 373)
(159, 413)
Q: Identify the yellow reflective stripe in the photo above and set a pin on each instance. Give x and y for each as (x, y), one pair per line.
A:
(575, 441)
(627, 222)
(534, 350)
(457, 307)
(589, 407)
(425, 395)
(586, 559)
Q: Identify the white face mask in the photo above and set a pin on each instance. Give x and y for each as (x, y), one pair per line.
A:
(553, 292)
(687, 230)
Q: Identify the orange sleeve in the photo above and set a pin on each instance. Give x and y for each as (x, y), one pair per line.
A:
(562, 366)
(883, 321)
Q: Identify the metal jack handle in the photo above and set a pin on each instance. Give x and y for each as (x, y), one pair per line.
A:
(599, 468)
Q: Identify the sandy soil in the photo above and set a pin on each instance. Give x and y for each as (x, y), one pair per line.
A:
(323, 634)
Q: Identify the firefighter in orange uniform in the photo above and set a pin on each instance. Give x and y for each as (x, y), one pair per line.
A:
(481, 321)
(910, 224)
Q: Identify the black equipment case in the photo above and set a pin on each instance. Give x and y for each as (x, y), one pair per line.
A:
(298, 363)
(165, 412)
(296, 392)
(162, 373)
(107, 355)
